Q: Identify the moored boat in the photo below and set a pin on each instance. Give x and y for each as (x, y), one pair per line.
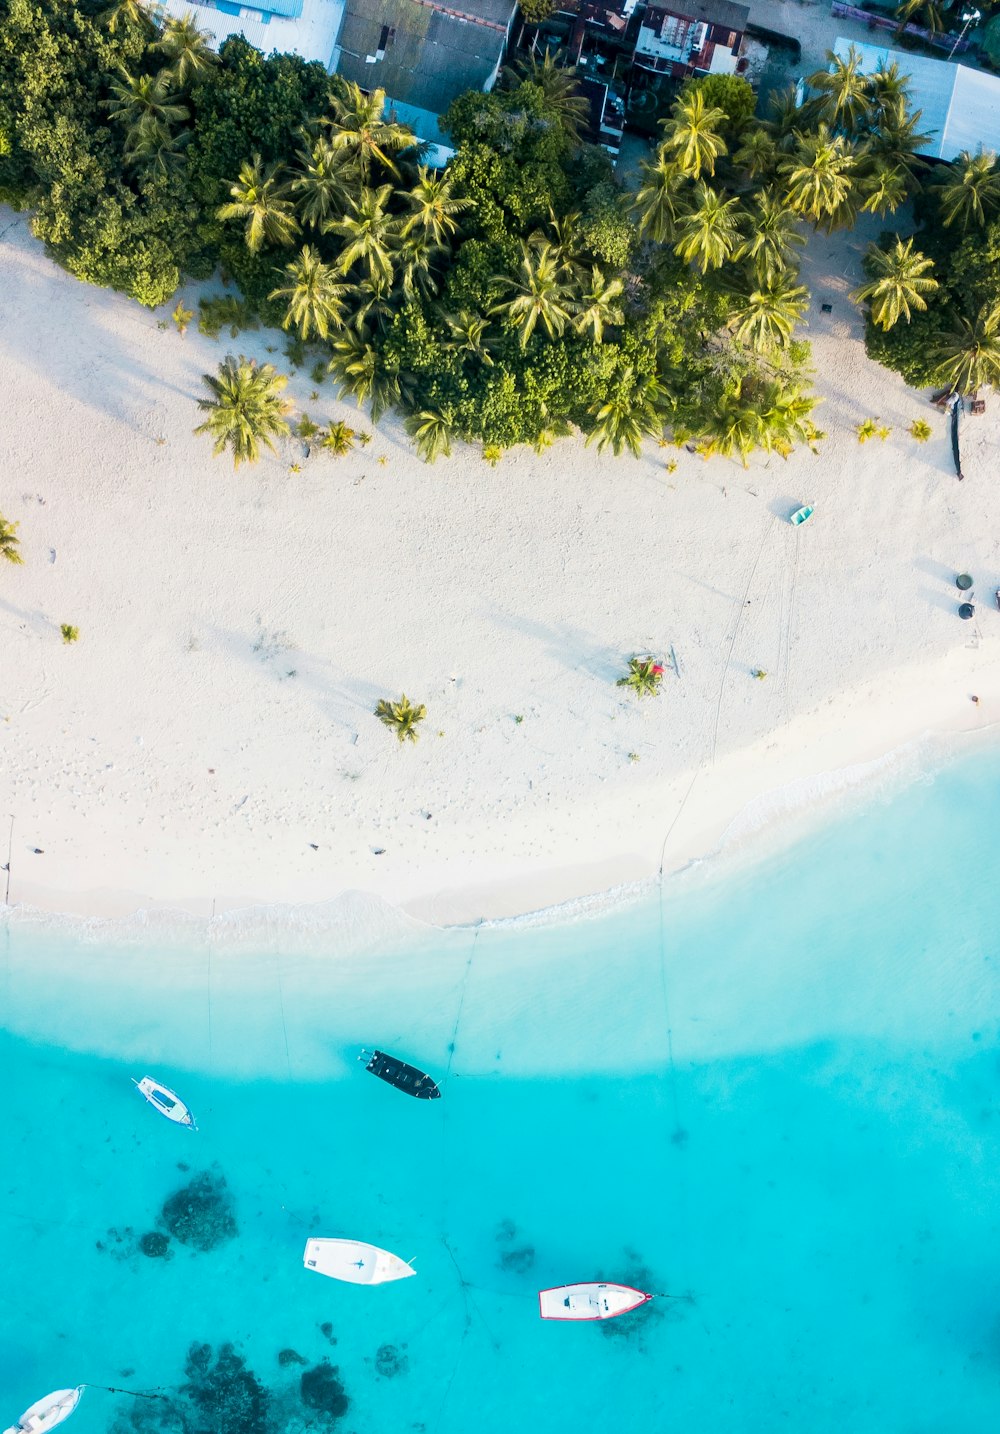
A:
(589, 1301)
(46, 1413)
(404, 1077)
(166, 1101)
(355, 1262)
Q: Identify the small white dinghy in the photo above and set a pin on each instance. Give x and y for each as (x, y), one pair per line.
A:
(47, 1412)
(594, 1301)
(355, 1262)
(166, 1101)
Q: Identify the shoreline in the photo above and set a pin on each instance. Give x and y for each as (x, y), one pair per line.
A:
(749, 803)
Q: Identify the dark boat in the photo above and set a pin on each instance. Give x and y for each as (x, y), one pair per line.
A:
(405, 1078)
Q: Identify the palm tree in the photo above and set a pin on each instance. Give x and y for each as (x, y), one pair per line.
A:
(970, 189)
(338, 439)
(369, 233)
(895, 139)
(431, 430)
(820, 175)
(416, 257)
(969, 355)
(359, 128)
(539, 294)
(187, 49)
(758, 154)
(709, 232)
(560, 87)
(765, 314)
(145, 105)
(9, 542)
(468, 336)
(885, 189)
(786, 117)
(259, 197)
(845, 99)
(644, 676)
(772, 235)
(360, 370)
(898, 282)
(597, 306)
(126, 12)
(658, 202)
(435, 206)
(692, 134)
(246, 408)
(925, 12)
(324, 179)
(889, 87)
(562, 240)
(371, 300)
(629, 415)
(315, 299)
(402, 716)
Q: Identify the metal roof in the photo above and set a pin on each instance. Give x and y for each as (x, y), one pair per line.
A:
(960, 107)
(709, 12)
(423, 52)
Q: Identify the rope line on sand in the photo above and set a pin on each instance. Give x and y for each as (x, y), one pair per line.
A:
(732, 644)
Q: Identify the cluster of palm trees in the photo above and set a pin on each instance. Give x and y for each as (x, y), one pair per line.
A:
(152, 108)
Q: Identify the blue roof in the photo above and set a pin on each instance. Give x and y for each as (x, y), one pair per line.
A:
(289, 9)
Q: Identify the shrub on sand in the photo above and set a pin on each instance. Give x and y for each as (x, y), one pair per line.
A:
(402, 716)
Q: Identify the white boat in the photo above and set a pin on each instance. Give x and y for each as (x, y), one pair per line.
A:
(166, 1101)
(593, 1301)
(355, 1262)
(47, 1412)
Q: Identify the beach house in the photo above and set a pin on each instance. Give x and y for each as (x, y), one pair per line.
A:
(959, 107)
(691, 37)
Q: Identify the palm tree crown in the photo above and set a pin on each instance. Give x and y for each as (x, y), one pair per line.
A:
(970, 189)
(539, 294)
(245, 409)
(9, 542)
(819, 176)
(187, 49)
(899, 281)
(434, 206)
(369, 233)
(260, 197)
(315, 299)
(969, 356)
(772, 235)
(360, 129)
(845, 92)
(708, 233)
(658, 202)
(692, 134)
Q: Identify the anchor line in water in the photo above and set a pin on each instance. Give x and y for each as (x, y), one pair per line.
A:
(135, 1393)
(461, 999)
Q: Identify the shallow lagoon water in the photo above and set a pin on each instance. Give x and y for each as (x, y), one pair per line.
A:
(774, 1095)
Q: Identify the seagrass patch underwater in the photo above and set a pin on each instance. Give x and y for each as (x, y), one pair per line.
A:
(807, 1167)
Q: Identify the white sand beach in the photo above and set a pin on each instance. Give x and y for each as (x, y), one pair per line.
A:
(209, 741)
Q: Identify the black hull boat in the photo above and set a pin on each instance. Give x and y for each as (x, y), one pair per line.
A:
(397, 1073)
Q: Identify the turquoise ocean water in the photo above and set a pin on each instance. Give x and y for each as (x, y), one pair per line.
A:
(774, 1095)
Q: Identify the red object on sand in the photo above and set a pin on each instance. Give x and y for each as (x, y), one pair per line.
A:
(657, 668)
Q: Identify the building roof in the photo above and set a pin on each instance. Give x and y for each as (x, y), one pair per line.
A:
(960, 107)
(303, 27)
(723, 13)
(423, 52)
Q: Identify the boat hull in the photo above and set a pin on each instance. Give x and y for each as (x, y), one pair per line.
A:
(166, 1101)
(46, 1413)
(354, 1262)
(592, 1301)
(401, 1076)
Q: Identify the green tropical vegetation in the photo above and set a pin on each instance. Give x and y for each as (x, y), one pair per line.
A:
(643, 677)
(69, 632)
(9, 542)
(402, 716)
(519, 294)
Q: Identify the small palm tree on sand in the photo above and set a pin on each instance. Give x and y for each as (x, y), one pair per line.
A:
(246, 408)
(338, 439)
(644, 676)
(899, 281)
(9, 542)
(402, 716)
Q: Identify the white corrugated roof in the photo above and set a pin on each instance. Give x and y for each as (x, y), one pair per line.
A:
(311, 34)
(959, 107)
